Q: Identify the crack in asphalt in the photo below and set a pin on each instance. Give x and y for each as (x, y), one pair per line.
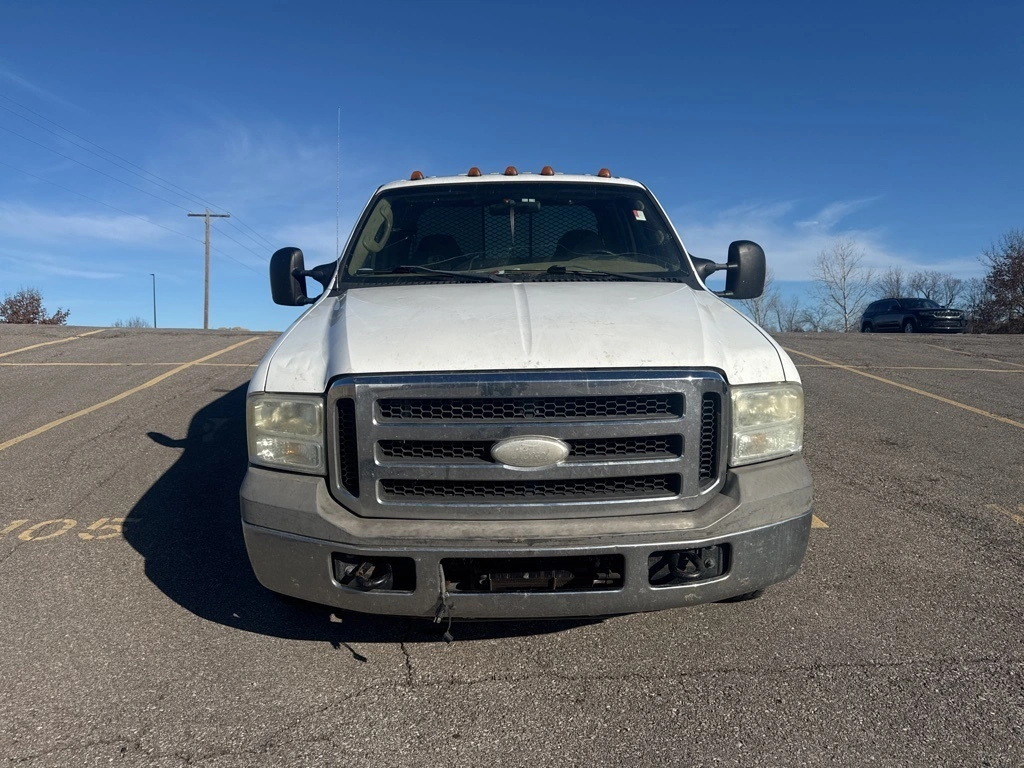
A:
(409, 683)
(7, 554)
(408, 664)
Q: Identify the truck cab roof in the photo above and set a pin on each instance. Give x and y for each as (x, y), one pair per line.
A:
(510, 178)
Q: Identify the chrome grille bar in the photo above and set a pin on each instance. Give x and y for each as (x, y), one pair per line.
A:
(640, 442)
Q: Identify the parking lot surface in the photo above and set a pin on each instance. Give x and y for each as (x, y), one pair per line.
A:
(134, 632)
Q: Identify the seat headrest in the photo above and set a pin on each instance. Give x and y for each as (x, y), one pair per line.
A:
(578, 242)
(438, 247)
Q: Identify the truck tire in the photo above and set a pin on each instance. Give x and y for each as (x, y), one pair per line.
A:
(909, 326)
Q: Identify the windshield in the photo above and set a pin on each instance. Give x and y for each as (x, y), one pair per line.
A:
(919, 304)
(515, 231)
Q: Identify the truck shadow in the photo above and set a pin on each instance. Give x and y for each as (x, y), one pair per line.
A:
(187, 527)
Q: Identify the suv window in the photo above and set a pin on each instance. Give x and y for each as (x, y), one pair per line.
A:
(919, 304)
(517, 229)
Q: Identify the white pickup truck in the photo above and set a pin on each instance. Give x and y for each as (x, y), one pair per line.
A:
(516, 397)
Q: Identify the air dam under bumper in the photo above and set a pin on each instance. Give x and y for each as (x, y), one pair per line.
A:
(293, 529)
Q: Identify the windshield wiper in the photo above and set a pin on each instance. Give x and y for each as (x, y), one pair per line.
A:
(558, 269)
(415, 269)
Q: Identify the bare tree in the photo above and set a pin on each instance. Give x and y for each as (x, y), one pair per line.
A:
(976, 296)
(788, 315)
(818, 318)
(925, 284)
(760, 309)
(951, 291)
(1003, 310)
(891, 284)
(26, 306)
(843, 286)
(131, 322)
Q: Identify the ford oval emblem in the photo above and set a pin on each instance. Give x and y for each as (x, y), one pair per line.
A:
(529, 451)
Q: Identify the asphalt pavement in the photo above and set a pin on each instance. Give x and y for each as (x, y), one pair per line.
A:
(134, 633)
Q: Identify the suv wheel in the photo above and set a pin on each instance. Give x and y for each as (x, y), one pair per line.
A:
(909, 327)
(866, 328)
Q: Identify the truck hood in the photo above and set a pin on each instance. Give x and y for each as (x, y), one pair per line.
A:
(516, 326)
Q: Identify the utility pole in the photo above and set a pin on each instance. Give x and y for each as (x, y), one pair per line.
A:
(206, 289)
(153, 275)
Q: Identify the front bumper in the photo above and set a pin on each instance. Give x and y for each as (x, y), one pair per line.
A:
(293, 527)
(949, 325)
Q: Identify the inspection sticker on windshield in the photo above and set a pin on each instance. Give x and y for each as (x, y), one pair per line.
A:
(639, 216)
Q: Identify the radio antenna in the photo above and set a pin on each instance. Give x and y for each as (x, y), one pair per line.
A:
(337, 197)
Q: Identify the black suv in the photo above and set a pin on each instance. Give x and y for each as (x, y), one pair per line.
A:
(911, 316)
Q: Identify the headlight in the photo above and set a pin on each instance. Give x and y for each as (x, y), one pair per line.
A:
(767, 422)
(286, 431)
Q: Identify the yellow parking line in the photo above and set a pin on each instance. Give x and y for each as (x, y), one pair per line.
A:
(970, 354)
(73, 365)
(117, 365)
(1018, 519)
(817, 522)
(48, 343)
(914, 368)
(127, 393)
(916, 391)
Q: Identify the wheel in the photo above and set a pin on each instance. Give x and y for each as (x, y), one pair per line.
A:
(866, 328)
(909, 327)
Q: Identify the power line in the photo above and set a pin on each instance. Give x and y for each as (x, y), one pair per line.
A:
(93, 199)
(127, 213)
(94, 144)
(97, 170)
(237, 261)
(182, 190)
(173, 188)
(268, 242)
(242, 232)
(265, 240)
(242, 245)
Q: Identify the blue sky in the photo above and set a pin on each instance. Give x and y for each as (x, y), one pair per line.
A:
(895, 124)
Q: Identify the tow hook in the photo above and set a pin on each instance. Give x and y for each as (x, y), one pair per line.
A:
(369, 576)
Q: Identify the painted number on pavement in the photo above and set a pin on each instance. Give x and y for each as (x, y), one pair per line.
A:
(104, 528)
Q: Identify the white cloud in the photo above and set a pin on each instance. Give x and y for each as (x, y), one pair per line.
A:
(792, 242)
(19, 81)
(244, 166)
(31, 264)
(833, 213)
(315, 238)
(36, 225)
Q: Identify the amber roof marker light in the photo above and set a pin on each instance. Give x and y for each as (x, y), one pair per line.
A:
(547, 170)
(511, 171)
(604, 173)
(474, 171)
(416, 176)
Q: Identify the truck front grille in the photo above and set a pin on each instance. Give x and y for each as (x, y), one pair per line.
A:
(421, 446)
(529, 408)
(348, 446)
(711, 405)
(535, 490)
(657, 447)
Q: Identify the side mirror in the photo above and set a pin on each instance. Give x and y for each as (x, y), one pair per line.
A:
(288, 275)
(745, 278)
(746, 270)
(705, 267)
(287, 284)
